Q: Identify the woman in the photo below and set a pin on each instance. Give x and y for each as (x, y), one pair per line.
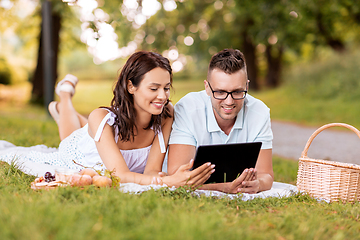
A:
(129, 137)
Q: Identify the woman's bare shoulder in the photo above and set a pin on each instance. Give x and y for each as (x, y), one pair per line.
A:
(95, 119)
(97, 115)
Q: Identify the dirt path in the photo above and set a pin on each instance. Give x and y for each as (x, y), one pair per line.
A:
(290, 140)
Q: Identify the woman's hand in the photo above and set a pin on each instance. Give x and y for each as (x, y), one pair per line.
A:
(162, 174)
(158, 180)
(183, 176)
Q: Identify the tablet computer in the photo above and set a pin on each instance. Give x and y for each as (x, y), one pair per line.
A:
(230, 159)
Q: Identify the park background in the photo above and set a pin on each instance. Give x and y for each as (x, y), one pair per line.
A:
(303, 60)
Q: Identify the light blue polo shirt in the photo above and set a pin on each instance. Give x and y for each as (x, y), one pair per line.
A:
(195, 123)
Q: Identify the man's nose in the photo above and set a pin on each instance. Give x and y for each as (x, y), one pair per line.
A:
(229, 100)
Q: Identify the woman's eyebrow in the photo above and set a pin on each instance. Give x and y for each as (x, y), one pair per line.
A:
(158, 84)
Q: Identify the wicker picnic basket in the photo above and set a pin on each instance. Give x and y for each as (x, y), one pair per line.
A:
(332, 181)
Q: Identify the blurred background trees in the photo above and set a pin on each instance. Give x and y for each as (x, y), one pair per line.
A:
(21, 40)
(273, 34)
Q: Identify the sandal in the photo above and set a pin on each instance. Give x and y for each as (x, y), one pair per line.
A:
(63, 86)
(54, 112)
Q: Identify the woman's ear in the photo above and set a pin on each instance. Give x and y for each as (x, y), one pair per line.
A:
(130, 87)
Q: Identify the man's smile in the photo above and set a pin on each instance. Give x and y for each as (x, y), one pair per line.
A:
(228, 109)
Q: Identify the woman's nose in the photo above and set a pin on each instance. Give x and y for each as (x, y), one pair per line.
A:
(162, 94)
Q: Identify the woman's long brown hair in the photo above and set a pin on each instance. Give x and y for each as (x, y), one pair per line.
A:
(122, 103)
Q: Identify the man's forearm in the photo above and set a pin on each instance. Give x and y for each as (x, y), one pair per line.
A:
(265, 180)
(221, 187)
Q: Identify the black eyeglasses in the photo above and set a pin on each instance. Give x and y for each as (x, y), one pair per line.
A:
(222, 95)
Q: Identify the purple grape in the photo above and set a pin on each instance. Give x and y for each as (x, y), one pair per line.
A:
(49, 177)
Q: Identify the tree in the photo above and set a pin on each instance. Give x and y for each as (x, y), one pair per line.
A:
(38, 79)
(29, 25)
(59, 10)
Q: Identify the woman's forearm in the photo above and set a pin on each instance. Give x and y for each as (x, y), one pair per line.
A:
(132, 177)
(152, 173)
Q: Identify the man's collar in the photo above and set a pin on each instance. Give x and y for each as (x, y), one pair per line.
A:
(240, 118)
(212, 124)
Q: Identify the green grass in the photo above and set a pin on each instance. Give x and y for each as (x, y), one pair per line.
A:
(285, 170)
(28, 127)
(92, 213)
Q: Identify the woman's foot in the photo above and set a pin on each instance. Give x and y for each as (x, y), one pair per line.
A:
(67, 84)
(54, 112)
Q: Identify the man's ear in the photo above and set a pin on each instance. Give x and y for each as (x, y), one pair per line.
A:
(130, 87)
(207, 89)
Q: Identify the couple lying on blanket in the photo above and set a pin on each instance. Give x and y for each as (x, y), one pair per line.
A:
(132, 135)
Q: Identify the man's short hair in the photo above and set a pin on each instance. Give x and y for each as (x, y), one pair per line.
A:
(228, 61)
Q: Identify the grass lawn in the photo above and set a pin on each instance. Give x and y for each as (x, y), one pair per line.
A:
(92, 213)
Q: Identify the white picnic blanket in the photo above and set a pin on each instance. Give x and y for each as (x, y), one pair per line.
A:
(28, 167)
(278, 190)
(36, 169)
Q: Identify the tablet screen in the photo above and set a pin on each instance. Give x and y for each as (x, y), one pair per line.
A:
(230, 159)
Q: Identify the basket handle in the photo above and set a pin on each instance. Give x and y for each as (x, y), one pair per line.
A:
(304, 153)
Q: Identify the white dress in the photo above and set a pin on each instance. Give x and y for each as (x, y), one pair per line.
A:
(81, 148)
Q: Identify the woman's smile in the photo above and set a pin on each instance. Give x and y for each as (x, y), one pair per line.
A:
(158, 104)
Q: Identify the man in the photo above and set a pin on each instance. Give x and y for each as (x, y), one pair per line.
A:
(224, 113)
